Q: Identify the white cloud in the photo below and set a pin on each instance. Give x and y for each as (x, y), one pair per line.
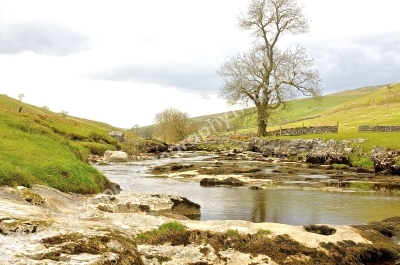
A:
(121, 62)
(42, 37)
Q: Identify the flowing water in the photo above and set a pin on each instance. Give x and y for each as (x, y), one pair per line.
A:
(296, 201)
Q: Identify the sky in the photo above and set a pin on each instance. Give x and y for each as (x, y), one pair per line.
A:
(121, 62)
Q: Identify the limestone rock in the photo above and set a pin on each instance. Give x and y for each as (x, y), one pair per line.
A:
(153, 146)
(216, 182)
(136, 202)
(115, 156)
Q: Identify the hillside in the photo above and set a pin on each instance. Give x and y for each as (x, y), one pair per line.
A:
(42, 147)
(375, 105)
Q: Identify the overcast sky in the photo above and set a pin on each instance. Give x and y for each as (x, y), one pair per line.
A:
(121, 62)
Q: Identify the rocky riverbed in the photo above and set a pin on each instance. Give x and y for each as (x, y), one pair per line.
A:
(42, 225)
(247, 168)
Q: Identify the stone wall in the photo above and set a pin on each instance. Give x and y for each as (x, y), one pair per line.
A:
(383, 128)
(304, 130)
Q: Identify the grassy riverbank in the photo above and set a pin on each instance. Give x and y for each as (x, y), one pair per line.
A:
(42, 147)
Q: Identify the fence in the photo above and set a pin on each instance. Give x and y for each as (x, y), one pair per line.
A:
(383, 128)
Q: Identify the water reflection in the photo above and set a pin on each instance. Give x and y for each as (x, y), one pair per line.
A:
(259, 212)
(295, 205)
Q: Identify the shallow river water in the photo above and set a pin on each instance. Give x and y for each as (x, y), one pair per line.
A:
(291, 203)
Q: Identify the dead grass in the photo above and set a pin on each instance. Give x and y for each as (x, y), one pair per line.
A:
(320, 229)
(76, 243)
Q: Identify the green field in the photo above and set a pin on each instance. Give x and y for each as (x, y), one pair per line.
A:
(350, 109)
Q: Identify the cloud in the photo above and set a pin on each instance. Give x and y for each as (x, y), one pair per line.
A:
(359, 61)
(41, 37)
(191, 76)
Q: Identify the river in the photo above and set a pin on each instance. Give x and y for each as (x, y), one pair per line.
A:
(292, 203)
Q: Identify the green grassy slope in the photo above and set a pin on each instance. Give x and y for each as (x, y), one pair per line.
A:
(38, 146)
(376, 105)
(379, 106)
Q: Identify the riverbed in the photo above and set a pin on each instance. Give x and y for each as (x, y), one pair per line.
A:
(296, 199)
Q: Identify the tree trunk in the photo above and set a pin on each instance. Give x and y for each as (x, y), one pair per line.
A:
(262, 124)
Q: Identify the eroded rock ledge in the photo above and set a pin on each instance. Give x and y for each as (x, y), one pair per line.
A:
(152, 203)
(45, 226)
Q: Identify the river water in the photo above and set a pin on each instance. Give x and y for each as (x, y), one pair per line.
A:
(292, 203)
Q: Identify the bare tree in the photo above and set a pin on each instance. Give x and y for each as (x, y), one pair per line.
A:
(266, 76)
(172, 125)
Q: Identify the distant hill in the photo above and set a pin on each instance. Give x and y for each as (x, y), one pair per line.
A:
(310, 112)
(42, 147)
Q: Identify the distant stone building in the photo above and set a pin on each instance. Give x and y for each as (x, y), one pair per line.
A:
(120, 136)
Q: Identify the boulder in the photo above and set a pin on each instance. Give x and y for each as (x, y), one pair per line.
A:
(115, 156)
(120, 136)
(385, 161)
(153, 146)
(321, 157)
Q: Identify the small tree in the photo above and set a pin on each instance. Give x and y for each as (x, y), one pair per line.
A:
(21, 96)
(172, 125)
(64, 113)
(267, 76)
(135, 129)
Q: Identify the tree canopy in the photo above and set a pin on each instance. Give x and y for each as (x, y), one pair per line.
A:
(172, 125)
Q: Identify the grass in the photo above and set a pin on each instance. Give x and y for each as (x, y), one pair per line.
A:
(164, 230)
(41, 147)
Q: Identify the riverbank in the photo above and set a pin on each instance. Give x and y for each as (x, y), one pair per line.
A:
(45, 226)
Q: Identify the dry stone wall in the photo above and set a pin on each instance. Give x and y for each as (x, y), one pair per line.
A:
(304, 130)
(383, 128)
